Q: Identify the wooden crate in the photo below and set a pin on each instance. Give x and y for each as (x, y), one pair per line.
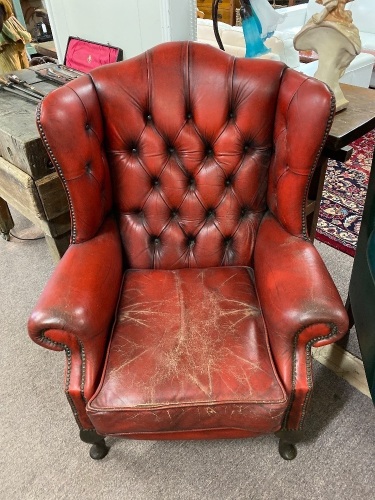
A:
(20, 143)
(28, 181)
(43, 202)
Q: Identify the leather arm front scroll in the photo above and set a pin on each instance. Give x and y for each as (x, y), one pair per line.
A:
(300, 304)
(76, 310)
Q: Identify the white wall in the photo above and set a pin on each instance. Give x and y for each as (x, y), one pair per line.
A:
(132, 25)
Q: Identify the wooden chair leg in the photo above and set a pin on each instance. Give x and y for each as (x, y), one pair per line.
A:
(99, 448)
(6, 221)
(287, 443)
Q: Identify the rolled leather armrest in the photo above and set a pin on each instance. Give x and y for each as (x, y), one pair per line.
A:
(299, 299)
(77, 306)
(301, 308)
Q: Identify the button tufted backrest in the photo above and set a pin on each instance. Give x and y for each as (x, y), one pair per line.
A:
(177, 143)
(189, 145)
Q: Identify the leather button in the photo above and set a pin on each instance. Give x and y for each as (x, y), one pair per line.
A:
(155, 181)
(189, 116)
(210, 213)
(87, 126)
(228, 181)
(174, 213)
(134, 150)
(171, 150)
(149, 118)
(191, 241)
(209, 152)
(155, 240)
(191, 181)
(88, 168)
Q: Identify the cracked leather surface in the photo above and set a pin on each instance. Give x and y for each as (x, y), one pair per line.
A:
(189, 351)
(185, 167)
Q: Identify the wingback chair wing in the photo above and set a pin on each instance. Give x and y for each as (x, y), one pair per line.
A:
(190, 296)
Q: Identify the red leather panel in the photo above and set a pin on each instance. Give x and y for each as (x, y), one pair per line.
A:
(72, 132)
(191, 171)
(305, 111)
(300, 304)
(76, 309)
(189, 352)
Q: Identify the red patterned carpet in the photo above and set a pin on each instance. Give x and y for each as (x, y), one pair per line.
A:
(344, 196)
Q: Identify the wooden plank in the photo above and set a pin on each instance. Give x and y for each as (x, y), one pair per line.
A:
(20, 143)
(58, 246)
(46, 49)
(310, 207)
(58, 226)
(52, 195)
(344, 364)
(18, 188)
(354, 121)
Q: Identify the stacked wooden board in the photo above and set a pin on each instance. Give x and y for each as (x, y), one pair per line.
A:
(28, 181)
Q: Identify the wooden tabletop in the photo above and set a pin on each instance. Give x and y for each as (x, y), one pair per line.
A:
(354, 121)
(46, 49)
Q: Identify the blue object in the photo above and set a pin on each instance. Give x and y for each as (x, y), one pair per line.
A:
(252, 29)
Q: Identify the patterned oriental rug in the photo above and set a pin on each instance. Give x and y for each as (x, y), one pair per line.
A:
(344, 196)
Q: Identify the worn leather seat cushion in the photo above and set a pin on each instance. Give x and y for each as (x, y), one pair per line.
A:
(189, 352)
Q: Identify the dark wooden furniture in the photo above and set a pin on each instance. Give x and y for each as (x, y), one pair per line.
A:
(46, 49)
(226, 12)
(348, 125)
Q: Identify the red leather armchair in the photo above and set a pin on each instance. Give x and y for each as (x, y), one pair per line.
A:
(190, 296)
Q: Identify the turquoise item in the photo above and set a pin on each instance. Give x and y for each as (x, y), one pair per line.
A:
(252, 29)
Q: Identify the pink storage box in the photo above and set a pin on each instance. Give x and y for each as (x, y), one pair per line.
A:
(84, 55)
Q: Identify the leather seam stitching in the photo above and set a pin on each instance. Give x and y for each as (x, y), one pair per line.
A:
(58, 168)
(312, 170)
(68, 353)
(308, 372)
